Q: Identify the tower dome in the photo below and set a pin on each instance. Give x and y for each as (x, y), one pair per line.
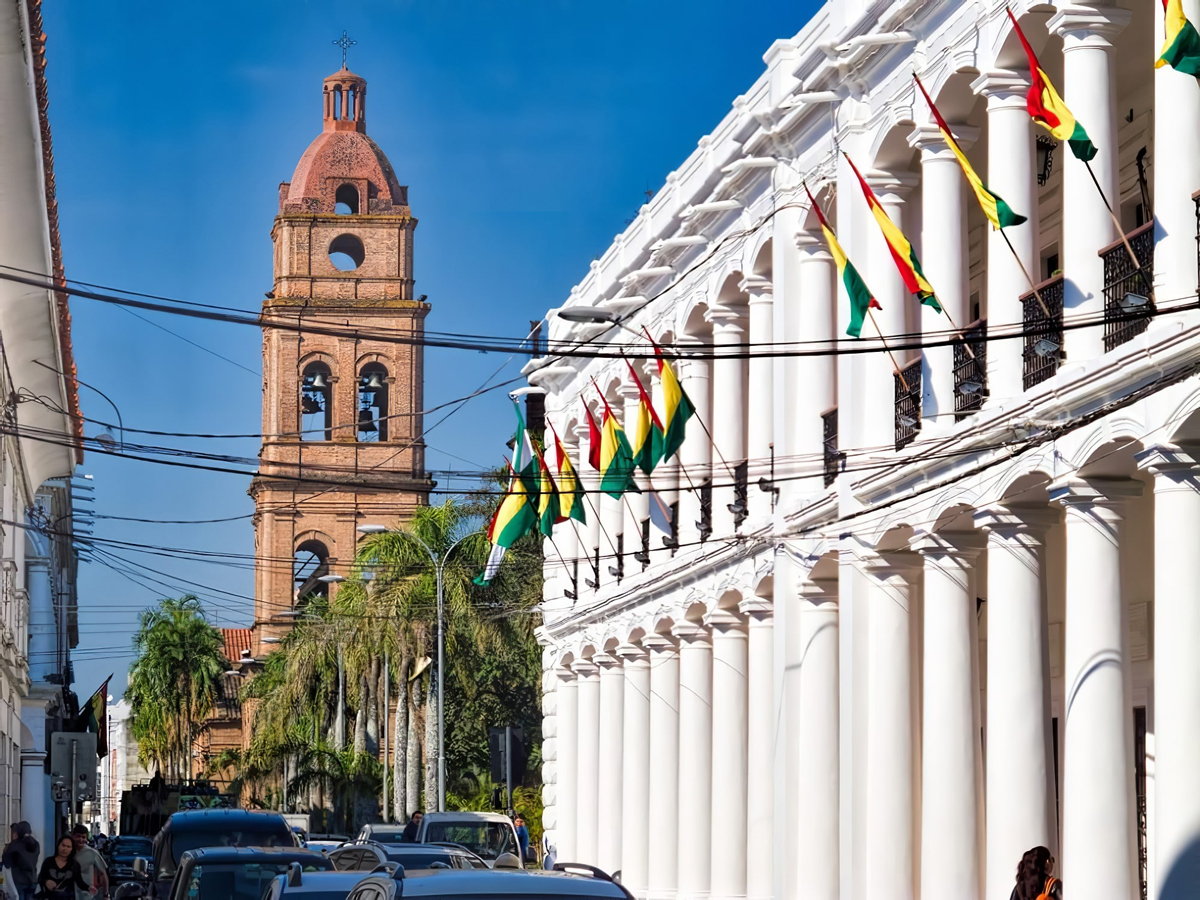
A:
(343, 164)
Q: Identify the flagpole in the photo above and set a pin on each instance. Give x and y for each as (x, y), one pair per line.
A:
(1028, 277)
(896, 365)
(1116, 222)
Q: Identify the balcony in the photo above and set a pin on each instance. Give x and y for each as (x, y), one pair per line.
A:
(1128, 289)
(970, 370)
(1043, 334)
(833, 459)
(741, 494)
(1196, 200)
(908, 403)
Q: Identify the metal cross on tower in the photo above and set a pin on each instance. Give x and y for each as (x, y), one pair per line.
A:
(345, 43)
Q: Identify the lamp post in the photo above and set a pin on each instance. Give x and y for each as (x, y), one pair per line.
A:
(439, 566)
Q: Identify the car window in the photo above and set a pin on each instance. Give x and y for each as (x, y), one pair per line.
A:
(230, 881)
(274, 836)
(418, 859)
(487, 839)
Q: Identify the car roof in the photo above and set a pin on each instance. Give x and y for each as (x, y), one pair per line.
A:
(323, 881)
(383, 826)
(466, 817)
(518, 882)
(203, 819)
(256, 854)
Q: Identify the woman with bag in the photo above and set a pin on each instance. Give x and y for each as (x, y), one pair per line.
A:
(60, 874)
(1034, 878)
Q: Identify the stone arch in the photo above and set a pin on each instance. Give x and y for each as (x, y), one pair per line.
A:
(1187, 415)
(317, 356)
(1098, 447)
(726, 289)
(691, 323)
(1025, 484)
(760, 255)
(825, 193)
(1005, 51)
(729, 599)
(889, 150)
(565, 658)
(661, 624)
(347, 195)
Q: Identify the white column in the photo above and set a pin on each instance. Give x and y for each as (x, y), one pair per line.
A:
(635, 782)
(1012, 164)
(696, 453)
(786, 309)
(634, 506)
(889, 826)
(728, 422)
(551, 804)
(950, 750)
(1176, 668)
(1176, 158)
(1089, 79)
(568, 764)
(882, 276)
(760, 380)
(587, 779)
(816, 375)
(944, 255)
(729, 760)
(1098, 814)
(612, 744)
(664, 766)
(695, 760)
(818, 842)
(1020, 767)
(760, 749)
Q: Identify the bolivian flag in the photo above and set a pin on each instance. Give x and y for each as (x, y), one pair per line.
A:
(902, 251)
(998, 212)
(570, 495)
(1048, 109)
(677, 406)
(549, 504)
(648, 438)
(1181, 51)
(513, 518)
(860, 296)
(593, 439)
(616, 459)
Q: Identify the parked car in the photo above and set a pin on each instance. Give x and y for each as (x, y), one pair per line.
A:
(238, 873)
(122, 852)
(313, 885)
(201, 828)
(383, 832)
(364, 856)
(487, 835)
(322, 846)
(566, 881)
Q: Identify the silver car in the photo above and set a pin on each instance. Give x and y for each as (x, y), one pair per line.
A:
(487, 835)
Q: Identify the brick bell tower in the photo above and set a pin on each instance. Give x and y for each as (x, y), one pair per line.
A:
(342, 439)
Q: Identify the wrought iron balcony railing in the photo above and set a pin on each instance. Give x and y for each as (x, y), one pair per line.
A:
(1128, 288)
(705, 523)
(1196, 199)
(741, 493)
(970, 370)
(1043, 351)
(833, 458)
(908, 403)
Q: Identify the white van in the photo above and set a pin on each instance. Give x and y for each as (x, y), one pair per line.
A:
(487, 835)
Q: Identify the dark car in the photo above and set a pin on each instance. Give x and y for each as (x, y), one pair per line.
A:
(361, 856)
(238, 873)
(198, 829)
(122, 852)
(566, 882)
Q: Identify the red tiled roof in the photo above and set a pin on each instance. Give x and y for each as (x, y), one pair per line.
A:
(236, 640)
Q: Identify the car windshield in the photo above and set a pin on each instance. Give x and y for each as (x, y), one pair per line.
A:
(131, 847)
(387, 837)
(273, 836)
(488, 839)
(232, 881)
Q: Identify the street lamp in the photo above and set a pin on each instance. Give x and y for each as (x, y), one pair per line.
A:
(439, 566)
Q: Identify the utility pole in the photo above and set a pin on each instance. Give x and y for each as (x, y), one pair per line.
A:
(386, 704)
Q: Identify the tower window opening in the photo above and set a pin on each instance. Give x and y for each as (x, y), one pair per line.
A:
(316, 407)
(346, 200)
(337, 101)
(352, 105)
(372, 404)
(310, 563)
(346, 253)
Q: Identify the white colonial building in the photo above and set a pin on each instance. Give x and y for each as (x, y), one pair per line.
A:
(917, 620)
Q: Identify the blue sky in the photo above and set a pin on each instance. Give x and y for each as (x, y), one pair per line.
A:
(527, 130)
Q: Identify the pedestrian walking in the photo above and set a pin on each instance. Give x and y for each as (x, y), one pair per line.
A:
(21, 858)
(410, 830)
(1035, 879)
(91, 865)
(60, 878)
(522, 838)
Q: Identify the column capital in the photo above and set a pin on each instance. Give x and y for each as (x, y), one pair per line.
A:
(1170, 463)
(1088, 26)
(629, 391)
(812, 245)
(633, 654)
(961, 547)
(820, 590)
(692, 634)
(725, 621)
(660, 643)
(757, 288)
(928, 138)
(758, 610)
(897, 184)
(606, 661)
(1088, 494)
(564, 673)
(726, 318)
(1003, 88)
(1008, 522)
(585, 668)
(890, 564)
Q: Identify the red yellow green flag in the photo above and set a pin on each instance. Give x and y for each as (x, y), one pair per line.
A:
(999, 213)
(1048, 109)
(549, 505)
(593, 439)
(861, 299)
(514, 517)
(677, 406)
(1181, 50)
(648, 438)
(570, 494)
(616, 459)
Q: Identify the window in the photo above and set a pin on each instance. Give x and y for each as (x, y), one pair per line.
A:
(346, 200)
(372, 403)
(309, 563)
(316, 407)
(346, 252)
